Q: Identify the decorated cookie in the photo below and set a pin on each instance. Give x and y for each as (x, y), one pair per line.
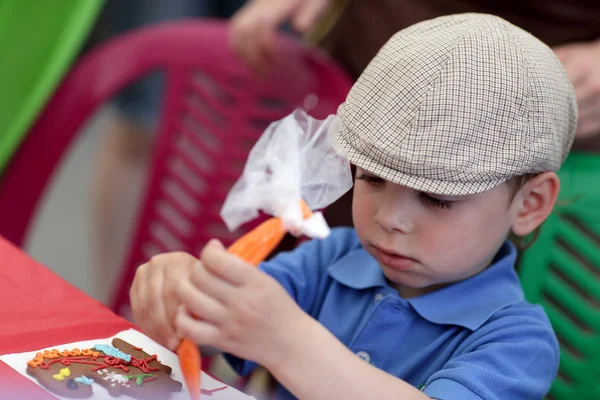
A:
(120, 368)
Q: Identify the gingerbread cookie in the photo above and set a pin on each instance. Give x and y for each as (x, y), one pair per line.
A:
(120, 368)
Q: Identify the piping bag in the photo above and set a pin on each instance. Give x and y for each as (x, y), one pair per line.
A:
(291, 170)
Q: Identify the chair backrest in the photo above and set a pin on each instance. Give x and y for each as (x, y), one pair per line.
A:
(561, 271)
(214, 109)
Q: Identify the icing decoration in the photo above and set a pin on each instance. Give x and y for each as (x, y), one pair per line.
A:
(120, 371)
(112, 351)
(137, 348)
(140, 379)
(209, 392)
(84, 380)
(112, 358)
(113, 362)
(52, 354)
(73, 360)
(115, 377)
(62, 374)
(104, 362)
(142, 363)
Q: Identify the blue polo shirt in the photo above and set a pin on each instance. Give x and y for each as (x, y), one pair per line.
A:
(475, 339)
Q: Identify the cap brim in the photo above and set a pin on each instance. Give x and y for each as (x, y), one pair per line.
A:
(419, 183)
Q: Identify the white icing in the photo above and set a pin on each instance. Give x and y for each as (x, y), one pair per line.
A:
(116, 378)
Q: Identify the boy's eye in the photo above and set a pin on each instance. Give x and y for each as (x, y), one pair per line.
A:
(370, 179)
(435, 202)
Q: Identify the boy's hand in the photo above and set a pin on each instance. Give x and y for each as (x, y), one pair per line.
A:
(253, 28)
(239, 309)
(582, 62)
(153, 294)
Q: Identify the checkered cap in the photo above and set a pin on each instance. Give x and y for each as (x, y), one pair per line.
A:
(458, 105)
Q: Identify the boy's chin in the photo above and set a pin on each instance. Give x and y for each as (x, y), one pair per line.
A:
(411, 285)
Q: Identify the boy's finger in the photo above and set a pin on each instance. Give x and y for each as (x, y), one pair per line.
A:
(156, 314)
(200, 304)
(198, 331)
(144, 300)
(135, 295)
(212, 285)
(179, 272)
(228, 267)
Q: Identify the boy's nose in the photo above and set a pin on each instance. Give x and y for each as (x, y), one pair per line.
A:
(393, 212)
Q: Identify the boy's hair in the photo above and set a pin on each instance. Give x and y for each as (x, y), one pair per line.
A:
(517, 182)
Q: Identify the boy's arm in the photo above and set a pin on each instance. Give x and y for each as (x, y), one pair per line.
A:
(514, 356)
(319, 367)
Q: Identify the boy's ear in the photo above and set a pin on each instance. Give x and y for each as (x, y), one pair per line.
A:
(534, 202)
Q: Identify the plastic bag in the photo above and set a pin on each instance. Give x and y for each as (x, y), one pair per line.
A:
(293, 160)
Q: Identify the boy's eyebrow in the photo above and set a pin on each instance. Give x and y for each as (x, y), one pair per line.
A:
(436, 195)
(443, 196)
(368, 172)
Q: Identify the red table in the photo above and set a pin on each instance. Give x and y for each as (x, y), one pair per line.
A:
(39, 309)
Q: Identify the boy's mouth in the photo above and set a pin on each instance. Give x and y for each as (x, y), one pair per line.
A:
(393, 259)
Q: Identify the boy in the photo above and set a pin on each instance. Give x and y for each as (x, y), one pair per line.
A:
(456, 129)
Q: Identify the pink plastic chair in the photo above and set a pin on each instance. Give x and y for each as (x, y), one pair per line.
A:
(214, 109)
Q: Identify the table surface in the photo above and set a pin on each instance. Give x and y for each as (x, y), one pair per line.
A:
(40, 309)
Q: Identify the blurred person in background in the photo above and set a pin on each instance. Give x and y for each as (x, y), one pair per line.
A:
(125, 146)
(353, 31)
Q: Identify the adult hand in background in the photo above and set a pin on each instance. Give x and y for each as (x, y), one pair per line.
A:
(254, 28)
(582, 62)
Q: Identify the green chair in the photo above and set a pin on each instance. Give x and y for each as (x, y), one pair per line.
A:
(38, 42)
(561, 271)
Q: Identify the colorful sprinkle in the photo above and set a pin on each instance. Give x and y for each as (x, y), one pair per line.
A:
(84, 380)
(140, 379)
(64, 373)
(116, 378)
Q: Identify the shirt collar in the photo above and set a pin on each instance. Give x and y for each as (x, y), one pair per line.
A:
(494, 288)
(358, 270)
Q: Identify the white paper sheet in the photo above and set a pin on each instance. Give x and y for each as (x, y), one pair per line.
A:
(18, 361)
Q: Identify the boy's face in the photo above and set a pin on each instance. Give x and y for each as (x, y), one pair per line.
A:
(423, 241)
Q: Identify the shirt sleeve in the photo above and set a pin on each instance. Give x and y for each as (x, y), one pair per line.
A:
(512, 357)
(302, 273)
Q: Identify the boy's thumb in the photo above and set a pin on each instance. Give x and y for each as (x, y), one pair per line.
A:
(213, 244)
